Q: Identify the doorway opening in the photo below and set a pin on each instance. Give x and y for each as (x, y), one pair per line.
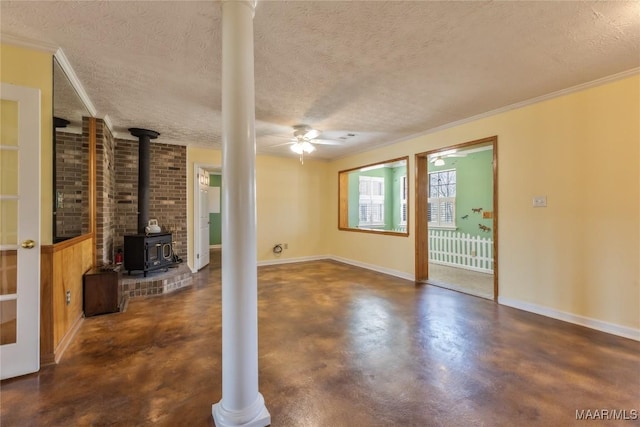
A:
(206, 214)
(457, 218)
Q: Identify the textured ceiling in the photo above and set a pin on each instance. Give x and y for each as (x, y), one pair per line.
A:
(381, 70)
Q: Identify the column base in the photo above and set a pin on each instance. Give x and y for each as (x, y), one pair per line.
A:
(255, 415)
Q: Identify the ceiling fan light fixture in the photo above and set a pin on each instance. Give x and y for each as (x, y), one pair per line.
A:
(302, 146)
(447, 152)
(308, 147)
(312, 133)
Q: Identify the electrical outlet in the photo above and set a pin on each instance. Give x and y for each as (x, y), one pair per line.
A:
(68, 297)
(540, 202)
(285, 245)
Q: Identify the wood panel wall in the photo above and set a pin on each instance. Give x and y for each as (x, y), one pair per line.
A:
(46, 306)
(62, 268)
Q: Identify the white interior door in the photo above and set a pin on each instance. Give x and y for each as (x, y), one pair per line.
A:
(19, 231)
(202, 240)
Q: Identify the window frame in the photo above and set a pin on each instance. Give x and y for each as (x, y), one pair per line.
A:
(441, 200)
(345, 208)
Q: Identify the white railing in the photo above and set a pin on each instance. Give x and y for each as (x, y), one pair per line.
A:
(461, 250)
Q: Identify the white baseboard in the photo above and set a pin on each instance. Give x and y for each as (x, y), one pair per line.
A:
(371, 267)
(215, 246)
(389, 271)
(291, 260)
(610, 328)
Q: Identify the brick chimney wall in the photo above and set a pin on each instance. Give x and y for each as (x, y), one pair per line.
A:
(168, 191)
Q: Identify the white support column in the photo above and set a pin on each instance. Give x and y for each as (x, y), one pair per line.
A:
(241, 403)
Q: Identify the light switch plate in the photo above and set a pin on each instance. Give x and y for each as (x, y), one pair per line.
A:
(540, 201)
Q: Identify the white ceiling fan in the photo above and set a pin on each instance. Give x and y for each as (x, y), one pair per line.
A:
(304, 138)
(438, 158)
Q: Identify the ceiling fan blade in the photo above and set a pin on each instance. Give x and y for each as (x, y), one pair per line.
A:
(324, 142)
(284, 143)
(312, 133)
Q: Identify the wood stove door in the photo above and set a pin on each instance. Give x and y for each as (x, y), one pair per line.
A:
(154, 253)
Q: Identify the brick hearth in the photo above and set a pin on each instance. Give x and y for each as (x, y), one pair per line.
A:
(155, 283)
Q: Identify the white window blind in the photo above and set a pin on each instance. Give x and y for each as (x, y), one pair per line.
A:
(442, 199)
(403, 200)
(371, 201)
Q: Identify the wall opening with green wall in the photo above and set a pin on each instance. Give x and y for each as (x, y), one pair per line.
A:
(474, 190)
(392, 196)
(215, 219)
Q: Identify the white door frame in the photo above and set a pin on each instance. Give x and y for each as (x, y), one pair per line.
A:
(216, 172)
(23, 357)
(196, 210)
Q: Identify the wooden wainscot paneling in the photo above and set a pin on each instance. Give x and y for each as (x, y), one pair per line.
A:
(46, 306)
(70, 260)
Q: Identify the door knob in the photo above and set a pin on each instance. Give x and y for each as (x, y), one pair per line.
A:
(28, 244)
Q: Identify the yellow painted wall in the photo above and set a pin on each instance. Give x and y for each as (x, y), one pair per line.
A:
(290, 200)
(291, 204)
(31, 68)
(579, 255)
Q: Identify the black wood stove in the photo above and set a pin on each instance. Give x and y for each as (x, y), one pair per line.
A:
(147, 252)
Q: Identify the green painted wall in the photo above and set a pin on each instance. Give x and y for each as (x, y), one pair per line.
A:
(215, 220)
(391, 190)
(353, 198)
(474, 189)
(397, 175)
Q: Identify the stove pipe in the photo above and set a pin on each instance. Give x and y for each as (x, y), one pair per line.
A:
(144, 148)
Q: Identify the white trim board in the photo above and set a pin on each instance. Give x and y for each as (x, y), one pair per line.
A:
(600, 325)
(292, 260)
(389, 271)
(377, 269)
(20, 41)
(75, 82)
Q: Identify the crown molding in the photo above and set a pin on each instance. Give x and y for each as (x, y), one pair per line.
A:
(531, 101)
(107, 121)
(517, 105)
(15, 40)
(64, 63)
(75, 81)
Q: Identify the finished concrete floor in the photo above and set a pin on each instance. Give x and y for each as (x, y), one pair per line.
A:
(339, 346)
